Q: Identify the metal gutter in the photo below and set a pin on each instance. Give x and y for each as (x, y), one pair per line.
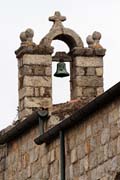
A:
(80, 115)
(22, 126)
(19, 128)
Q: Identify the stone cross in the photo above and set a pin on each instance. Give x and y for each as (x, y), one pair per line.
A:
(57, 19)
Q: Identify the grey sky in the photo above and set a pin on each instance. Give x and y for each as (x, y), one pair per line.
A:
(84, 17)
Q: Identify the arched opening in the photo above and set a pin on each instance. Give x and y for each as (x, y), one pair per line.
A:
(60, 86)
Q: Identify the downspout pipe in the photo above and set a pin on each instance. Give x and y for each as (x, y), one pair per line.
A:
(62, 155)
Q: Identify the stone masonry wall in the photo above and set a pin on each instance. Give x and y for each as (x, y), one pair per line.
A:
(92, 151)
(86, 77)
(35, 83)
(93, 148)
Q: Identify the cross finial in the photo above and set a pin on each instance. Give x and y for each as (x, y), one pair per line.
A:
(57, 18)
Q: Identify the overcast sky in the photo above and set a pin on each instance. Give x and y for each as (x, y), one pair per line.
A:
(84, 17)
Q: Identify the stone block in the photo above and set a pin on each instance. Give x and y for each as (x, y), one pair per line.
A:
(89, 91)
(118, 145)
(26, 70)
(92, 81)
(113, 115)
(77, 92)
(114, 130)
(90, 71)
(73, 156)
(29, 172)
(34, 155)
(100, 90)
(86, 164)
(76, 170)
(35, 102)
(112, 148)
(21, 105)
(52, 156)
(87, 147)
(93, 174)
(81, 166)
(89, 61)
(42, 91)
(37, 92)
(71, 171)
(100, 171)
(37, 81)
(93, 143)
(44, 161)
(100, 154)
(37, 59)
(88, 131)
(38, 71)
(79, 71)
(20, 62)
(53, 120)
(93, 159)
(2, 165)
(26, 91)
(48, 71)
(113, 164)
(24, 113)
(105, 135)
(48, 92)
(106, 151)
(99, 71)
(80, 151)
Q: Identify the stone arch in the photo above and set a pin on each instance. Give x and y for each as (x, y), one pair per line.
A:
(66, 35)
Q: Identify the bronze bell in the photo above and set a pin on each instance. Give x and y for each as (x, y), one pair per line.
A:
(61, 70)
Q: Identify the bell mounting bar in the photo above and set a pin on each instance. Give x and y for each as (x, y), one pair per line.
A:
(61, 55)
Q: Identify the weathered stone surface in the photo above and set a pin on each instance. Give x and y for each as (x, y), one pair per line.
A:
(91, 151)
(105, 135)
(100, 90)
(89, 92)
(32, 102)
(73, 156)
(37, 92)
(77, 92)
(37, 59)
(26, 91)
(88, 61)
(42, 91)
(53, 121)
(24, 113)
(90, 71)
(113, 115)
(93, 159)
(48, 71)
(99, 71)
(92, 81)
(36, 81)
(79, 71)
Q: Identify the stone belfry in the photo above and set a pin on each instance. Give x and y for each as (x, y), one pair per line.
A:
(35, 66)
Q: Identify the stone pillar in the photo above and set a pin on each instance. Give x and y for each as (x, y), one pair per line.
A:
(34, 83)
(34, 76)
(87, 69)
(88, 77)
